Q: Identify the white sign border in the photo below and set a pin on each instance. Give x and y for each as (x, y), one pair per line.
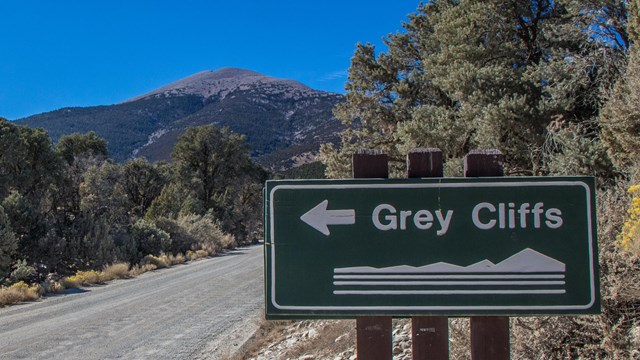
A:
(433, 185)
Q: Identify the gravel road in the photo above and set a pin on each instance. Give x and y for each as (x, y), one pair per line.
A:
(202, 310)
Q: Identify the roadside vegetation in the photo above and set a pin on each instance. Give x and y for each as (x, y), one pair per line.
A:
(69, 216)
(555, 86)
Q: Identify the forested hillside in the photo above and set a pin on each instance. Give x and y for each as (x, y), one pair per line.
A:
(554, 85)
(280, 118)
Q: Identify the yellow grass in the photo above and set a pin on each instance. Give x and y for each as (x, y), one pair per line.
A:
(115, 271)
(165, 260)
(198, 254)
(19, 292)
(141, 269)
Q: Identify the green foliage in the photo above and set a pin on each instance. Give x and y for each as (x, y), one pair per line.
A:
(576, 149)
(474, 74)
(209, 160)
(141, 182)
(205, 231)
(27, 162)
(27, 223)
(213, 167)
(101, 194)
(8, 244)
(181, 240)
(274, 117)
(149, 239)
(9, 154)
(314, 170)
(634, 21)
(69, 147)
(169, 203)
(124, 126)
(610, 335)
(73, 209)
(620, 118)
(21, 271)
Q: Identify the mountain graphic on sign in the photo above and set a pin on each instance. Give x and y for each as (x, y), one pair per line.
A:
(526, 261)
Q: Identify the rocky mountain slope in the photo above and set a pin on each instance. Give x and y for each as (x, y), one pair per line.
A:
(284, 121)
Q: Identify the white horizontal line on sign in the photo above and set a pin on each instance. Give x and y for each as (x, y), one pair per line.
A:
(446, 283)
(436, 277)
(448, 292)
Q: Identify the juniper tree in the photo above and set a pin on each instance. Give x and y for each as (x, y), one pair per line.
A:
(471, 74)
(8, 244)
(620, 119)
(214, 172)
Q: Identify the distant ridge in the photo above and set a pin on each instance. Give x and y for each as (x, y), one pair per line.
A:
(284, 121)
(219, 83)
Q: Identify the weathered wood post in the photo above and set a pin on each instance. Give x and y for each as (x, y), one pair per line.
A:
(373, 333)
(429, 334)
(489, 334)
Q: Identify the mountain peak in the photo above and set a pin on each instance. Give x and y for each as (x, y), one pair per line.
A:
(220, 82)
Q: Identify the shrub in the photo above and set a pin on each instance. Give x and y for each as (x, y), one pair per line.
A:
(610, 335)
(141, 269)
(206, 233)
(8, 244)
(181, 239)
(21, 271)
(629, 237)
(115, 271)
(82, 278)
(150, 240)
(71, 282)
(575, 149)
(19, 292)
(50, 285)
(158, 261)
(198, 254)
(165, 260)
(177, 259)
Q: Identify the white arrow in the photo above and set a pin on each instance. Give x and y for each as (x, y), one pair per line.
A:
(319, 217)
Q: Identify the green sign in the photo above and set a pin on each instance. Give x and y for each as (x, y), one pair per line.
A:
(513, 246)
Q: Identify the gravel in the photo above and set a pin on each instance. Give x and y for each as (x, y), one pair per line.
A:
(205, 309)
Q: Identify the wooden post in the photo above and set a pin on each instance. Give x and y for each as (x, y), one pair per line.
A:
(373, 333)
(425, 162)
(429, 334)
(489, 334)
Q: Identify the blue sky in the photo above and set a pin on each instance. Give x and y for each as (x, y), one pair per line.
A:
(67, 53)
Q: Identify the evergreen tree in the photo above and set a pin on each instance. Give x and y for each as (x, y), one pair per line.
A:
(141, 182)
(634, 21)
(8, 244)
(472, 74)
(214, 169)
(620, 118)
(72, 146)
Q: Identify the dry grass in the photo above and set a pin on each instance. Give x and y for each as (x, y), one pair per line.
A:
(228, 241)
(115, 271)
(459, 338)
(19, 292)
(267, 333)
(159, 262)
(92, 277)
(335, 337)
(198, 254)
(82, 278)
(177, 259)
(164, 260)
(141, 269)
(332, 337)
